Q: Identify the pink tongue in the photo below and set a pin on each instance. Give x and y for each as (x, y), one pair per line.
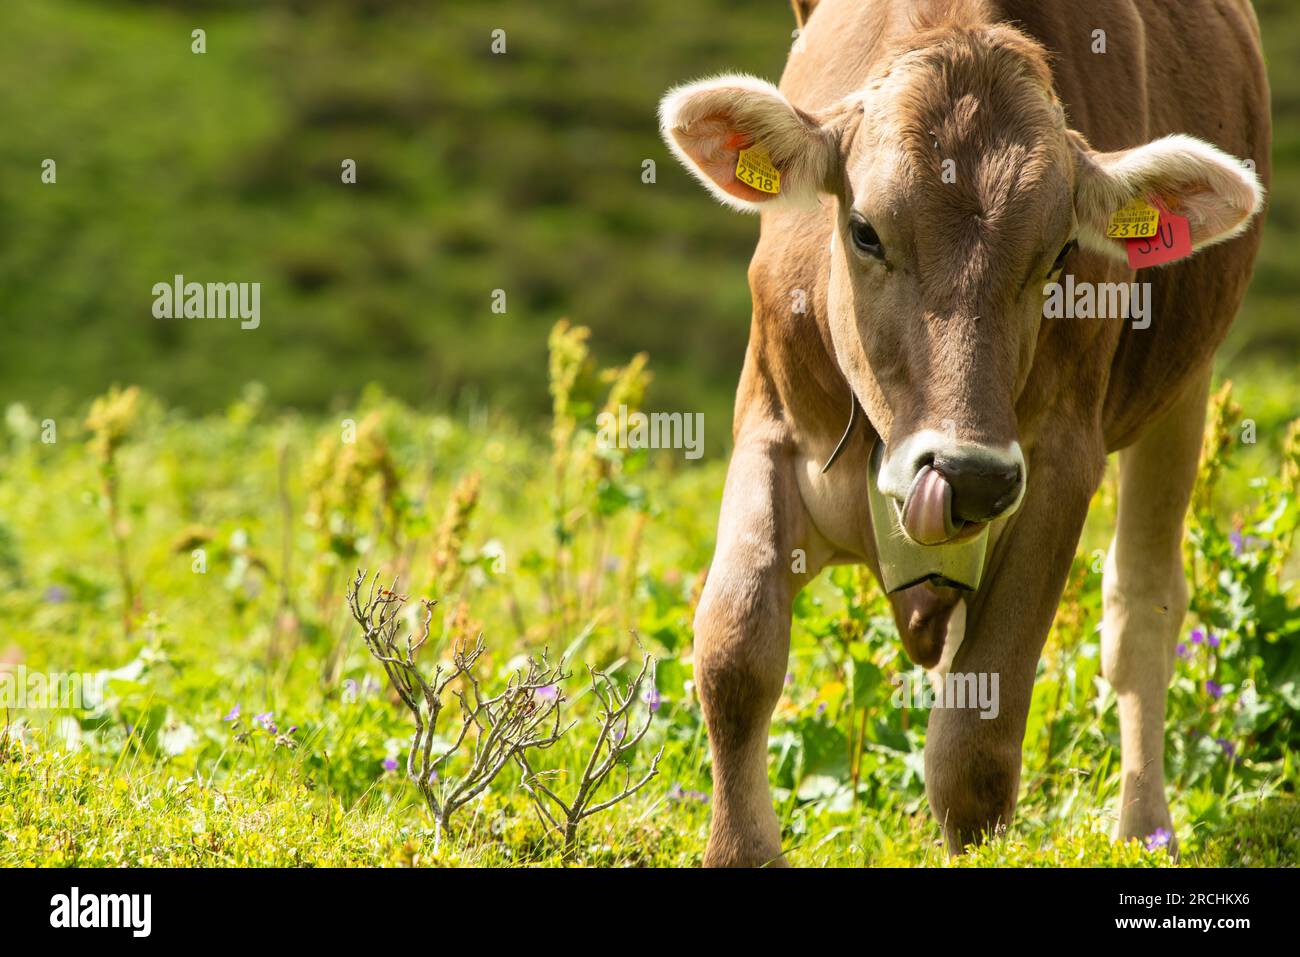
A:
(927, 512)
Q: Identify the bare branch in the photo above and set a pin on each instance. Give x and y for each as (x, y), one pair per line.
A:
(612, 745)
(525, 715)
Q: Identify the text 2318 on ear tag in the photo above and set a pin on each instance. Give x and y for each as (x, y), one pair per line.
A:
(1136, 219)
(754, 168)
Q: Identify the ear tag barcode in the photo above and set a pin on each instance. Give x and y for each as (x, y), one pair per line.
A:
(1136, 219)
(754, 168)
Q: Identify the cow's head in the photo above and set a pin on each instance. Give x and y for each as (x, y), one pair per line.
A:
(959, 192)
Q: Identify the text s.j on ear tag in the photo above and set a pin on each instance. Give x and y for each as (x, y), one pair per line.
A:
(1172, 241)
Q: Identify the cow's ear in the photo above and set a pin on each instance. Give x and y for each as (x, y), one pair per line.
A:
(1218, 193)
(747, 143)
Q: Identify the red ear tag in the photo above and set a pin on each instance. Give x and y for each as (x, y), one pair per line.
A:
(1173, 240)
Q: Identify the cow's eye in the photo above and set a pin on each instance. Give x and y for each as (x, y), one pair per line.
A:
(865, 238)
(1063, 255)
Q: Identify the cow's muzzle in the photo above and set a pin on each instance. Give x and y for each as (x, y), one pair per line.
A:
(922, 536)
(955, 494)
(947, 489)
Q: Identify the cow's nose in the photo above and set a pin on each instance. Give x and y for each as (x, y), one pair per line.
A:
(985, 483)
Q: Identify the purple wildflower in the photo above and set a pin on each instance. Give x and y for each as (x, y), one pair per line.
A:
(390, 764)
(1212, 640)
(1229, 749)
(1181, 650)
(651, 698)
(56, 595)
(677, 794)
(233, 715)
(350, 690)
(1158, 838)
(1214, 689)
(1198, 636)
(1238, 543)
(547, 692)
(267, 720)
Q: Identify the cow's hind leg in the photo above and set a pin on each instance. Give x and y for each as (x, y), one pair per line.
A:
(1145, 596)
(742, 644)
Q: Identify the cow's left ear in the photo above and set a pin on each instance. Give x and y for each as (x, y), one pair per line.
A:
(1218, 193)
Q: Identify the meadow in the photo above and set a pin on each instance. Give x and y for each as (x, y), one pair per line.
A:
(199, 568)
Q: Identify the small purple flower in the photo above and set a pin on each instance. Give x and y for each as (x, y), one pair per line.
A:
(821, 709)
(390, 764)
(1182, 651)
(1198, 636)
(1214, 689)
(1212, 640)
(789, 678)
(233, 715)
(267, 720)
(651, 698)
(292, 729)
(547, 692)
(677, 794)
(1158, 838)
(350, 690)
(56, 595)
(1229, 749)
(1238, 543)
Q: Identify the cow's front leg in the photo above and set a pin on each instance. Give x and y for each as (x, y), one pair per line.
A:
(972, 760)
(1144, 591)
(742, 644)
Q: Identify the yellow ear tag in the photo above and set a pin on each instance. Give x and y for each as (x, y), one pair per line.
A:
(1136, 219)
(754, 168)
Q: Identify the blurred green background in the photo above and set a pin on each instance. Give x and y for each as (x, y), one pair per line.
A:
(476, 172)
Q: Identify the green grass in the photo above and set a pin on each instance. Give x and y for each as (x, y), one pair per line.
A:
(562, 546)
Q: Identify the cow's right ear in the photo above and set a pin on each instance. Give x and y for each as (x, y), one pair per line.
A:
(747, 143)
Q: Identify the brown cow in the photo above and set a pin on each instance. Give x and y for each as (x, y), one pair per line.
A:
(924, 171)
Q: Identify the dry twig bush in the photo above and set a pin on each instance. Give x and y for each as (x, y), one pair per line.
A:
(513, 725)
(613, 742)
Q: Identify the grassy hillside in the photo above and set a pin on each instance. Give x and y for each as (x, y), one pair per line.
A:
(476, 172)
